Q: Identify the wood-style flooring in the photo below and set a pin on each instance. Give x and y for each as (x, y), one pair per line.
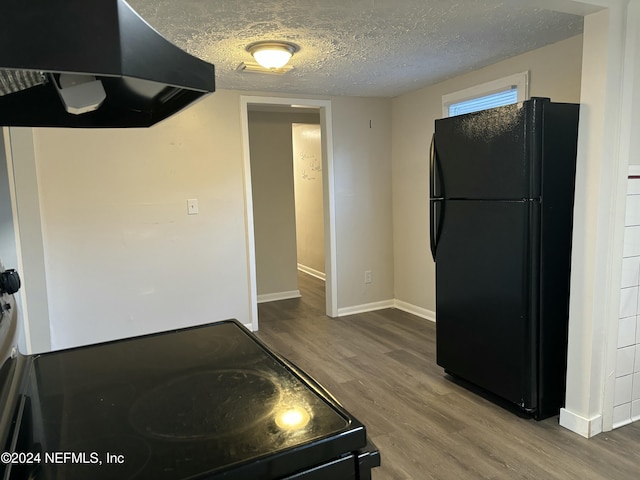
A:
(381, 366)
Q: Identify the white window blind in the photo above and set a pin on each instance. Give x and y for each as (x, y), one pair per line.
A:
(496, 93)
(498, 99)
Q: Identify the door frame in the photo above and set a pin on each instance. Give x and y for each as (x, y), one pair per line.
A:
(326, 128)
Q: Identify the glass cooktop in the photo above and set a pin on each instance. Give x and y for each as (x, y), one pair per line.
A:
(191, 403)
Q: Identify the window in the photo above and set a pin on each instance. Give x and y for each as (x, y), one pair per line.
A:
(505, 91)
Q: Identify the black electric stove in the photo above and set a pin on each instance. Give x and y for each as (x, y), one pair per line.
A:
(208, 402)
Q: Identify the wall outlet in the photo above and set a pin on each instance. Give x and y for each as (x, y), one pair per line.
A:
(367, 277)
(192, 206)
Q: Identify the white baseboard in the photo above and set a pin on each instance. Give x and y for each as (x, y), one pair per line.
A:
(272, 297)
(415, 310)
(400, 305)
(312, 272)
(587, 427)
(367, 307)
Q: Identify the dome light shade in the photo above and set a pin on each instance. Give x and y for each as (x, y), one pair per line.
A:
(272, 54)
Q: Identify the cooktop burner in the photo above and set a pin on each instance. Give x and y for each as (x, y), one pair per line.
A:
(205, 405)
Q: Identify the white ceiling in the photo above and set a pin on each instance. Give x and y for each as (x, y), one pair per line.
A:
(361, 47)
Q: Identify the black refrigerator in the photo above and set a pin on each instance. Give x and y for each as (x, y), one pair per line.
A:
(501, 207)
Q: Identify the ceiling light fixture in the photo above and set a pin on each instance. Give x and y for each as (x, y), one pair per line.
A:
(272, 54)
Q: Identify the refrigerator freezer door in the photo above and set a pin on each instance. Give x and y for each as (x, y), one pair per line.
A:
(488, 154)
(485, 276)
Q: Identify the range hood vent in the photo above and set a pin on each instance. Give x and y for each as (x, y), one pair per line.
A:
(91, 64)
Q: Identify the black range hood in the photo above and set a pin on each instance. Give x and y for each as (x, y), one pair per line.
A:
(91, 64)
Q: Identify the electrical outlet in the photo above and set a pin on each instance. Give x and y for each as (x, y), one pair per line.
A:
(192, 206)
(367, 277)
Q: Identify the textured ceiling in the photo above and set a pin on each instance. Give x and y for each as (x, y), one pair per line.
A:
(360, 47)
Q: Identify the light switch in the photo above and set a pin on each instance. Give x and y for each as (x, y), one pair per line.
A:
(192, 206)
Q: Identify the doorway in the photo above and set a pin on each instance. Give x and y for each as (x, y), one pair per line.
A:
(324, 170)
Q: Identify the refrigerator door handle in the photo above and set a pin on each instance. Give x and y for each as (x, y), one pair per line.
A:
(432, 228)
(436, 202)
(436, 181)
(432, 165)
(435, 224)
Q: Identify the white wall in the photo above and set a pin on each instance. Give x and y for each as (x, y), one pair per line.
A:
(122, 255)
(581, 351)
(362, 166)
(607, 137)
(307, 178)
(554, 71)
(30, 249)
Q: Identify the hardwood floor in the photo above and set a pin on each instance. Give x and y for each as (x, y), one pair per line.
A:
(381, 367)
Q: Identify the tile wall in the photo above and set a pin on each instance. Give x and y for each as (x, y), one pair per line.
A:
(627, 386)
